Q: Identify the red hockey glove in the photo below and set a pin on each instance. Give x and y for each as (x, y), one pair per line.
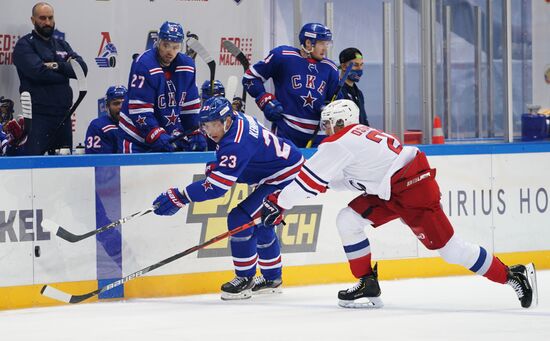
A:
(15, 130)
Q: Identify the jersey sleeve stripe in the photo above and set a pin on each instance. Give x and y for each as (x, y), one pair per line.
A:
(240, 129)
(140, 111)
(304, 188)
(185, 69)
(306, 182)
(252, 72)
(291, 53)
(332, 65)
(109, 127)
(225, 176)
(126, 124)
(304, 125)
(284, 174)
(140, 105)
(155, 71)
(313, 175)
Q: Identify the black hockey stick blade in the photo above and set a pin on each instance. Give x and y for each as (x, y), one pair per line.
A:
(237, 53)
(59, 295)
(201, 51)
(333, 98)
(73, 238)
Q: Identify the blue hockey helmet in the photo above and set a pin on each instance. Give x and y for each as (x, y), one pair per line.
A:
(314, 32)
(215, 108)
(171, 31)
(219, 90)
(115, 91)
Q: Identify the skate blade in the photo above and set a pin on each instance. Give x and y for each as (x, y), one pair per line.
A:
(532, 278)
(226, 296)
(362, 303)
(268, 291)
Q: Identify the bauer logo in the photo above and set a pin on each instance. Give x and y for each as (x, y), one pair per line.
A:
(300, 233)
(22, 226)
(106, 57)
(244, 44)
(7, 43)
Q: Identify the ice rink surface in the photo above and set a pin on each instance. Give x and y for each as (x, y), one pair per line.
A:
(452, 308)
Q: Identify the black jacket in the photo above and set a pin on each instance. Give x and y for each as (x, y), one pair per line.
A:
(353, 93)
(50, 91)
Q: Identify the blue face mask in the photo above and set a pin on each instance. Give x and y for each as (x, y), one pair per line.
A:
(355, 75)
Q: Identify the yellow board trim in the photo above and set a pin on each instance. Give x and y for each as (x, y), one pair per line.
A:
(209, 282)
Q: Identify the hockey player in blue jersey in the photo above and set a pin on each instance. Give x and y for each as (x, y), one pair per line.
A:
(206, 93)
(102, 135)
(304, 81)
(163, 99)
(247, 153)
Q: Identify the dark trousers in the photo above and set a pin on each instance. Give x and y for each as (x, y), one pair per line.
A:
(44, 135)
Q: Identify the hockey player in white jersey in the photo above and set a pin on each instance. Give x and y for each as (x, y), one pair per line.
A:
(393, 181)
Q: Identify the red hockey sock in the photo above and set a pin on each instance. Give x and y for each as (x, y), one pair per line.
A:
(498, 272)
(360, 266)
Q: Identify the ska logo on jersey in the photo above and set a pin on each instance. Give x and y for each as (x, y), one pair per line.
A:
(312, 67)
(172, 118)
(107, 52)
(300, 233)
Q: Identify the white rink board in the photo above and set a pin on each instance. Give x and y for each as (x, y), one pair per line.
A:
(67, 196)
(64, 195)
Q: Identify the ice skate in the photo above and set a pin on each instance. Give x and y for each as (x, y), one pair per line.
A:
(265, 286)
(523, 279)
(365, 294)
(239, 288)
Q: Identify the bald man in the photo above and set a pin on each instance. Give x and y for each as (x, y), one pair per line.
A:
(42, 63)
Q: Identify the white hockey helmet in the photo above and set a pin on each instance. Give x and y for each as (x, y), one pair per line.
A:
(341, 113)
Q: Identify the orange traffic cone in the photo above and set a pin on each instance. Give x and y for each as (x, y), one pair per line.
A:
(437, 136)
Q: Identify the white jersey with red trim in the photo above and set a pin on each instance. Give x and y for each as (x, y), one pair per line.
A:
(357, 158)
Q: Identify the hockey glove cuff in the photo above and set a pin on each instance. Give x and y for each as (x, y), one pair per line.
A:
(15, 131)
(159, 140)
(272, 108)
(272, 213)
(169, 202)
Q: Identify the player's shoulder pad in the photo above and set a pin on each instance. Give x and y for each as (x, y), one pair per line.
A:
(184, 60)
(147, 64)
(330, 63)
(286, 51)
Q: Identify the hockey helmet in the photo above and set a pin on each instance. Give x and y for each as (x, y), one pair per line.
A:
(314, 32)
(171, 31)
(215, 108)
(6, 111)
(115, 91)
(342, 113)
(219, 90)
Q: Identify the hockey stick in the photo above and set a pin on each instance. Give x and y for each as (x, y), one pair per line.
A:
(189, 51)
(59, 295)
(231, 87)
(73, 238)
(201, 51)
(336, 92)
(239, 55)
(26, 110)
(82, 91)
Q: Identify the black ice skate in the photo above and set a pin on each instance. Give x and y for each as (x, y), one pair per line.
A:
(523, 278)
(265, 286)
(239, 288)
(365, 294)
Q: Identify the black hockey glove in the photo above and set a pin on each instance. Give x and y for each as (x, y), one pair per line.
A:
(272, 213)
